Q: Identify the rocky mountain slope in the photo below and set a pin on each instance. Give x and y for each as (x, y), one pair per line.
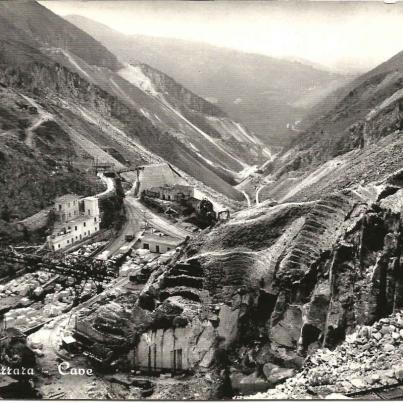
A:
(358, 138)
(50, 30)
(92, 108)
(359, 113)
(265, 93)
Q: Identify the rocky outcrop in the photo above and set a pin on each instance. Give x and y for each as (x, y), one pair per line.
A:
(334, 265)
(368, 364)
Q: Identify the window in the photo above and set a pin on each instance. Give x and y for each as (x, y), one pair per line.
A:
(60, 206)
(146, 246)
(75, 228)
(69, 215)
(168, 249)
(58, 246)
(85, 224)
(89, 212)
(157, 248)
(95, 219)
(68, 241)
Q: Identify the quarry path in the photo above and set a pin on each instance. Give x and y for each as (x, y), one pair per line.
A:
(43, 116)
(109, 183)
(29, 140)
(133, 224)
(159, 223)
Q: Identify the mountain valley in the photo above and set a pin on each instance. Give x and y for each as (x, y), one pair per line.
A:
(233, 255)
(268, 95)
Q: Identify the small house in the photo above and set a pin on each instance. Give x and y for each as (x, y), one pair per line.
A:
(159, 243)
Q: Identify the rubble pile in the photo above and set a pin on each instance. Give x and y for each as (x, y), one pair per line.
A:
(23, 318)
(54, 305)
(111, 315)
(25, 285)
(143, 263)
(84, 251)
(58, 302)
(371, 357)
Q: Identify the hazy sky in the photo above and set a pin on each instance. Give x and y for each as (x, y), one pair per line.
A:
(339, 35)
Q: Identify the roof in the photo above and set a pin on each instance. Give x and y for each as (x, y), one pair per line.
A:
(59, 226)
(92, 198)
(168, 240)
(40, 218)
(158, 175)
(67, 198)
(68, 340)
(175, 187)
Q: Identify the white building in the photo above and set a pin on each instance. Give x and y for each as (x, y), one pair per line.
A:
(76, 219)
(159, 243)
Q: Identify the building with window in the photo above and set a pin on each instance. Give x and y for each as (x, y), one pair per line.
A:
(159, 243)
(76, 219)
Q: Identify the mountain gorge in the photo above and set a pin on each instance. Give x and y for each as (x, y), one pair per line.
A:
(264, 93)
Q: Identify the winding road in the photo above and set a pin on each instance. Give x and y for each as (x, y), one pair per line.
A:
(137, 217)
(43, 117)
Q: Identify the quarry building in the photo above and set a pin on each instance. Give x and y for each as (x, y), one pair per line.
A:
(159, 243)
(170, 193)
(76, 219)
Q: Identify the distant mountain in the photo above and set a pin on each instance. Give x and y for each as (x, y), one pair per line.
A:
(347, 117)
(101, 104)
(353, 136)
(264, 93)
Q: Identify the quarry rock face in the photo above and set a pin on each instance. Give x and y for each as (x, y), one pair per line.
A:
(362, 363)
(310, 287)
